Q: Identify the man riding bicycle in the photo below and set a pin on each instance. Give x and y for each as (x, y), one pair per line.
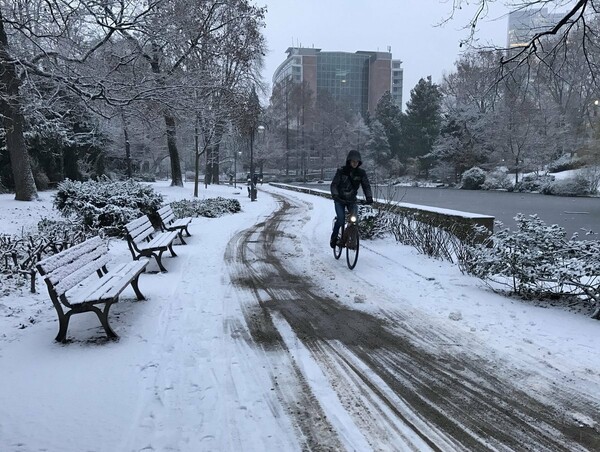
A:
(344, 188)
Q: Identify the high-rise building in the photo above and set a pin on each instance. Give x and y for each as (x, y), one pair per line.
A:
(523, 24)
(356, 79)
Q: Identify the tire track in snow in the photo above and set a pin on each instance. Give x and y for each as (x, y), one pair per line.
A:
(448, 398)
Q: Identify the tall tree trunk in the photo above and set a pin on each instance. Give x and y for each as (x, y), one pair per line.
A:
(176, 179)
(212, 156)
(127, 145)
(12, 122)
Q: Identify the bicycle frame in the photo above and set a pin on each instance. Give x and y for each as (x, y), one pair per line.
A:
(348, 238)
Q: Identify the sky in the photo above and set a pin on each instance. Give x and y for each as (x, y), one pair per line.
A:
(185, 376)
(412, 28)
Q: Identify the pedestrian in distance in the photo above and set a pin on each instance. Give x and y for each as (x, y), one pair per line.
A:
(344, 188)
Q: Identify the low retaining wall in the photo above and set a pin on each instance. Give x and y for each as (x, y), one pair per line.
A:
(462, 224)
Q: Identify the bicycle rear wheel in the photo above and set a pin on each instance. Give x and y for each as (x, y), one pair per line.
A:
(352, 246)
(337, 251)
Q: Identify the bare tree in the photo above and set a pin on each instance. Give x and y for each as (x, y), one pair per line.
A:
(577, 22)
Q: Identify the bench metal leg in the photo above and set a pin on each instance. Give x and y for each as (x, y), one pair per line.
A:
(63, 325)
(134, 284)
(171, 250)
(180, 235)
(158, 258)
(103, 317)
(187, 232)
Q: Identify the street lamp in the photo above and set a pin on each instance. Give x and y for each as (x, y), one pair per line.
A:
(261, 135)
(235, 156)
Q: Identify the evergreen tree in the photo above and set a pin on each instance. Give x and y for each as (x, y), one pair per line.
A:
(421, 123)
(389, 115)
(377, 146)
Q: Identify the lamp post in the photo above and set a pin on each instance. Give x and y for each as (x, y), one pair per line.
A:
(261, 135)
(235, 155)
(252, 181)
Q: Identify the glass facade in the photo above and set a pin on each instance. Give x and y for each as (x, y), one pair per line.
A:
(346, 77)
(357, 79)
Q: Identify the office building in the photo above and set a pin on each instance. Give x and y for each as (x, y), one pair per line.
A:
(356, 79)
(525, 23)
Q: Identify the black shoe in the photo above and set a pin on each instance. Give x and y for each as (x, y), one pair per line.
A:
(332, 243)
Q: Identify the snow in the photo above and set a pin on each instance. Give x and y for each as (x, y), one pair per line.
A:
(182, 377)
(407, 205)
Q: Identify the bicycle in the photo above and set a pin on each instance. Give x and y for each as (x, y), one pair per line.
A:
(349, 238)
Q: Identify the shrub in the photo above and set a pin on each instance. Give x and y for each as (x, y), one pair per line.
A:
(575, 186)
(372, 223)
(534, 183)
(105, 204)
(537, 261)
(564, 163)
(211, 208)
(473, 179)
(497, 180)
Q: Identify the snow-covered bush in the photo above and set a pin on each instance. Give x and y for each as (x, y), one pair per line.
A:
(372, 223)
(497, 180)
(211, 208)
(563, 163)
(106, 205)
(473, 179)
(534, 183)
(592, 174)
(573, 186)
(537, 260)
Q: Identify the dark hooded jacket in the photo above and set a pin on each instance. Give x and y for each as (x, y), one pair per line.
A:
(347, 180)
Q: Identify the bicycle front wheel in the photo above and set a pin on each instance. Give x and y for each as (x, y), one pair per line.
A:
(352, 246)
(337, 251)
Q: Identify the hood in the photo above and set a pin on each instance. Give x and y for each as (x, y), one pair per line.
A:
(353, 155)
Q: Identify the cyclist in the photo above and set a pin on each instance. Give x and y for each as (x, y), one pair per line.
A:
(344, 187)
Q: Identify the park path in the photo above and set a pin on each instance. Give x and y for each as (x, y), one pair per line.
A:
(403, 384)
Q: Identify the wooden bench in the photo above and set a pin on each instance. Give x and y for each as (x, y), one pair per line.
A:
(170, 223)
(144, 241)
(68, 276)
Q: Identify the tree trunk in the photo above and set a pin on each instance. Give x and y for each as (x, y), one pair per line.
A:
(127, 145)
(12, 122)
(212, 155)
(176, 179)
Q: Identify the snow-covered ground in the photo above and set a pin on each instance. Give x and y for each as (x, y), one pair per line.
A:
(179, 378)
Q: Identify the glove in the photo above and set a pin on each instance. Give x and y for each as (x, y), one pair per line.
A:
(335, 197)
(369, 200)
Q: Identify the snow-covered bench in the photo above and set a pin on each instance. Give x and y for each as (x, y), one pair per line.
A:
(144, 241)
(69, 276)
(170, 223)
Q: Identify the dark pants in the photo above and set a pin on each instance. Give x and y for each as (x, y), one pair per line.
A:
(340, 212)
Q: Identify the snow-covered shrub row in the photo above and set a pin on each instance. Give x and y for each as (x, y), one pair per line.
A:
(211, 208)
(434, 240)
(106, 205)
(537, 260)
(473, 179)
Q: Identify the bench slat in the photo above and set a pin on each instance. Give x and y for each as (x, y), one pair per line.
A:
(68, 255)
(76, 272)
(111, 284)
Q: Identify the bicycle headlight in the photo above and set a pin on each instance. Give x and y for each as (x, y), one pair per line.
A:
(353, 218)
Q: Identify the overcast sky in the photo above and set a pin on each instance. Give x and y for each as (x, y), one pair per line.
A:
(409, 27)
